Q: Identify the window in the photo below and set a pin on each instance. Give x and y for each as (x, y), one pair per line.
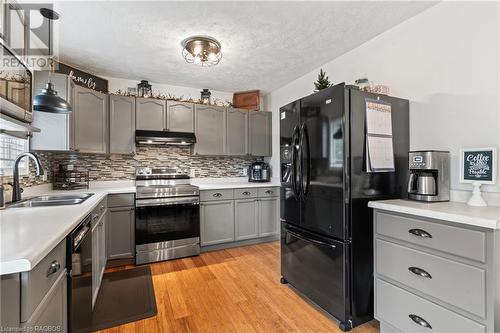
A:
(10, 147)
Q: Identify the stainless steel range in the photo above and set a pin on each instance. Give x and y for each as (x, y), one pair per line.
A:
(167, 218)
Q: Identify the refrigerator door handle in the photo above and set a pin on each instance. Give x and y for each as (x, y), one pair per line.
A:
(310, 240)
(304, 144)
(295, 153)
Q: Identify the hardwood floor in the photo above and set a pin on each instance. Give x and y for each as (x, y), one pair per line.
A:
(234, 290)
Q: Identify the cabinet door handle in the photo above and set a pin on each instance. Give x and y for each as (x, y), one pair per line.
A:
(246, 193)
(420, 233)
(53, 268)
(217, 195)
(420, 321)
(95, 217)
(420, 272)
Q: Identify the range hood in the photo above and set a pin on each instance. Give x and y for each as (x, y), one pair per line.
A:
(164, 137)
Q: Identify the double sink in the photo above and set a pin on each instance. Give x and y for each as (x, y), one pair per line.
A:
(52, 200)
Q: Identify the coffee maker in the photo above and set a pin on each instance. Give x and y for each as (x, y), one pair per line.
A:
(429, 175)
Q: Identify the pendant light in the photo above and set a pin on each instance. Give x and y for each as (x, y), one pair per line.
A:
(48, 100)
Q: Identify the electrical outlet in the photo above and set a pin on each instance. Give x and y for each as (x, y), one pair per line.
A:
(245, 171)
(191, 173)
(44, 177)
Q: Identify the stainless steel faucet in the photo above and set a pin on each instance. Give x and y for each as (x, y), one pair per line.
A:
(16, 190)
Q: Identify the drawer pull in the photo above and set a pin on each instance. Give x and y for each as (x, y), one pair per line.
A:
(246, 193)
(217, 195)
(269, 192)
(419, 272)
(420, 321)
(420, 233)
(53, 268)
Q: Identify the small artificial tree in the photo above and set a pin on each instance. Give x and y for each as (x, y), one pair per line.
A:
(323, 81)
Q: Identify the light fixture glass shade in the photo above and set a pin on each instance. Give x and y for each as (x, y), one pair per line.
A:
(49, 101)
(202, 50)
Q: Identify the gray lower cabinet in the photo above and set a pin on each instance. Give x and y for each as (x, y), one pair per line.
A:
(447, 280)
(252, 214)
(237, 132)
(180, 116)
(90, 120)
(55, 129)
(37, 298)
(151, 114)
(99, 253)
(121, 230)
(268, 216)
(51, 313)
(246, 222)
(260, 132)
(121, 124)
(210, 130)
(216, 222)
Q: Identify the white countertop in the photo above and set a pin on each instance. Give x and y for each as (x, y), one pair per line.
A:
(229, 183)
(457, 212)
(27, 235)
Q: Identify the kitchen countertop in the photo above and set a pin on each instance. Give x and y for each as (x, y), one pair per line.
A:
(229, 183)
(27, 235)
(457, 212)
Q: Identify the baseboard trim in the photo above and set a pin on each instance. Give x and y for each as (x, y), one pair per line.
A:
(239, 243)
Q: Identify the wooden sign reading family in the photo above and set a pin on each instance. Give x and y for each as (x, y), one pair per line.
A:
(82, 78)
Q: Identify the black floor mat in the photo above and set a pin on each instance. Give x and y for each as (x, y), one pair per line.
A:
(125, 296)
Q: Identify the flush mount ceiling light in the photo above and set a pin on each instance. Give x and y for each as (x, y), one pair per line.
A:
(202, 50)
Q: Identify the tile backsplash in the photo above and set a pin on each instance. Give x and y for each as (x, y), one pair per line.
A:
(116, 167)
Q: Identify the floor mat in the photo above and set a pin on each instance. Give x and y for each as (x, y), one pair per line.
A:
(125, 296)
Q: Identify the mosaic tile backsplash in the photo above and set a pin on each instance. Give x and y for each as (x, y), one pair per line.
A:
(116, 167)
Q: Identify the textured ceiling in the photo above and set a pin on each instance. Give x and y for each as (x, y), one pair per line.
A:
(265, 45)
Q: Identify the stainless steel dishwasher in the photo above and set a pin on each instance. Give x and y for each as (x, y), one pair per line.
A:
(79, 266)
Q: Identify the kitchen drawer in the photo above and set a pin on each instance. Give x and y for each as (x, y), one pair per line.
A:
(245, 193)
(269, 192)
(466, 243)
(395, 306)
(36, 283)
(121, 200)
(461, 285)
(216, 195)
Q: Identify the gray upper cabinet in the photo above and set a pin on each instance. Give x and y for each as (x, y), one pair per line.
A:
(210, 129)
(260, 133)
(180, 116)
(151, 114)
(121, 124)
(237, 132)
(90, 114)
(55, 128)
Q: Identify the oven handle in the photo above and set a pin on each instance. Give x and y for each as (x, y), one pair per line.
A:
(165, 202)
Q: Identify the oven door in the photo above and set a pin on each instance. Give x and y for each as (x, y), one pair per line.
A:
(166, 219)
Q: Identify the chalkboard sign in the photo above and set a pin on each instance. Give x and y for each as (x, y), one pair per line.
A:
(478, 165)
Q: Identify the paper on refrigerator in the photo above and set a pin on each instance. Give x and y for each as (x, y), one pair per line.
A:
(379, 145)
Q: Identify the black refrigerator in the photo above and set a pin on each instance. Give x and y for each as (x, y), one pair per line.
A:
(326, 225)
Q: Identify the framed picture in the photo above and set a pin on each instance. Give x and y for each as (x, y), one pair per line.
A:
(478, 165)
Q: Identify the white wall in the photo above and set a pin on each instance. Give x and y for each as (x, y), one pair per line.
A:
(115, 84)
(445, 61)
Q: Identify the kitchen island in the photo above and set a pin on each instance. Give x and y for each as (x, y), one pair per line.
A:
(441, 261)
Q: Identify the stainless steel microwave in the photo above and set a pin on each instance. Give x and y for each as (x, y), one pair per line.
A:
(16, 86)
